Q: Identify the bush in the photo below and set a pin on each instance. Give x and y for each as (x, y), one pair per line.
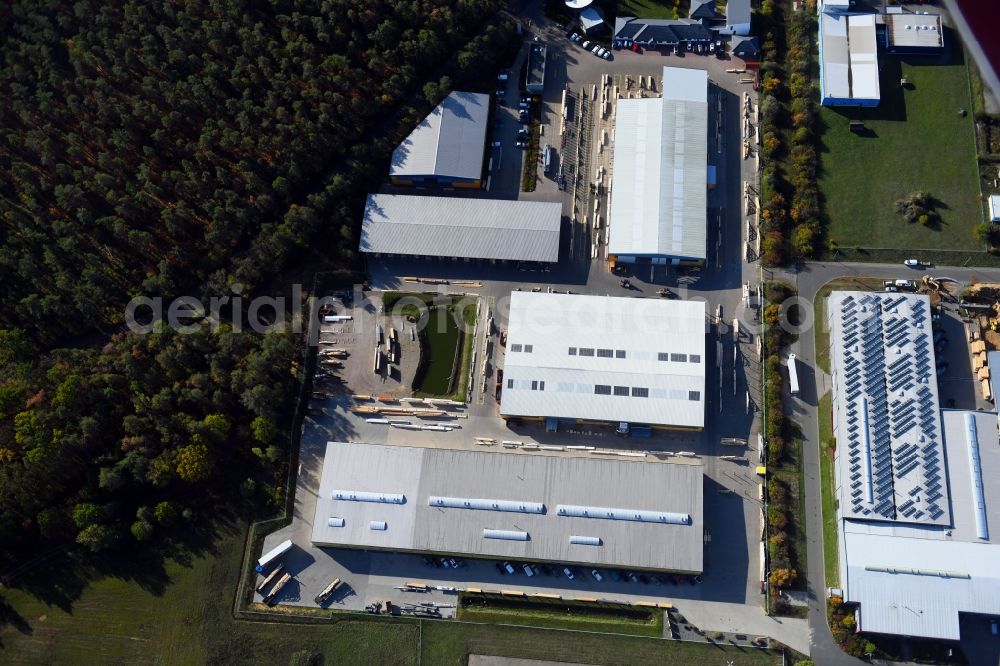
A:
(770, 111)
(917, 207)
(774, 249)
(776, 517)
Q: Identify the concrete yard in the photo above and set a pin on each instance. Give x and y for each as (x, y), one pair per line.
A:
(731, 489)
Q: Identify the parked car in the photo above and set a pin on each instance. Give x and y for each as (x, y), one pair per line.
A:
(575, 37)
(941, 345)
(569, 574)
(942, 367)
(597, 575)
(508, 567)
(585, 45)
(521, 144)
(607, 55)
(633, 578)
(595, 49)
(913, 263)
(503, 75)
(523, 133)
(501, 92)
(496, 144)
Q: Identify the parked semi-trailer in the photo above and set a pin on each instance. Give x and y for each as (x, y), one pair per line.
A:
(273, 556)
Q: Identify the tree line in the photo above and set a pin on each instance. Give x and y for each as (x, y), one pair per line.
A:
(790, 216)
(168, 148)
(149, 147)
(101, 446)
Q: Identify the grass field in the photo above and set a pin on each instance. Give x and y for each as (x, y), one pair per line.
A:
(829, 506)
(582, 616)
(915, 140)
(654, 9)
(449, 644)
(184, 617)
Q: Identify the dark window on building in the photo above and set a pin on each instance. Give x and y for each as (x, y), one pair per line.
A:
(694, 395)
(640, 392)
(679, 358)
(695, 358)
(510, 383)
(541, 386)
(621, 390)
(619, 353)
(602, 389)
(528, 349)
(663, 356)
(515, 348)
(605, 353)
(534, 385)
(586, 351)
(572, 351)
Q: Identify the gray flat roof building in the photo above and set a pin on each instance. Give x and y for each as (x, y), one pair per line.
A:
(918, 488)
(890, 454)
(915, 580)
(448, 145)
(535, 74)
(493, 229)
(659, 193)
(589, 511)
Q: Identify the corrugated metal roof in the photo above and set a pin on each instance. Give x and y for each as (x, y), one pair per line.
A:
(864, 57)
(458, 227)
(419, 473)
(737, 12)
(448, 143)
(849, 56)
(659, 198)
(890, 458)
(914, 579)
(616, 343)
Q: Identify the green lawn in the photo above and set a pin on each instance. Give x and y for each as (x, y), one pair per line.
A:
(180, 613)
(443, 343)
(916, 141)
(449, 644)
(566, 615)
(830, 537)
(654, 9)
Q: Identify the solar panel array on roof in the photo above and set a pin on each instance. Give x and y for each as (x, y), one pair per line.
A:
(886, 406)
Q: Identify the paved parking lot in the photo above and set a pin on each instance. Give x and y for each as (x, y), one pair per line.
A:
(732, 508)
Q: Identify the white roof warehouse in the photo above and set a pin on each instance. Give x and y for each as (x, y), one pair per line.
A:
(494, 229)
(659, 190)
(448, 145)
(605, 358)
(918, 487)
(589, 511)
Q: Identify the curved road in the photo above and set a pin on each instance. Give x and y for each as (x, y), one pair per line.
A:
(808, 279)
